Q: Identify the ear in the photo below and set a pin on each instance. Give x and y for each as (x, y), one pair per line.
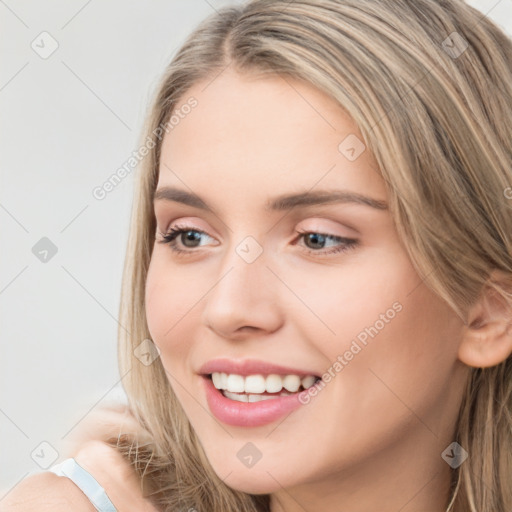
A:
(487, 337)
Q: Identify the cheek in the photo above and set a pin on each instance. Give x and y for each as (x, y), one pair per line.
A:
(392, 335)
(421, 344)
(338, 304)
(398, 354)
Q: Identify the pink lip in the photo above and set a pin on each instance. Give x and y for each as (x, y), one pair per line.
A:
(250, 367)
(248, 414)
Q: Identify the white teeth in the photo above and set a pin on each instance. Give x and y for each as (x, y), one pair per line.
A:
(242, 397)
(217, 380)
(252, 384)
(255, 384)
(235, 383)
(259, 398)
(273, 383)
(237, 397)
(308, 381)
(291, 383)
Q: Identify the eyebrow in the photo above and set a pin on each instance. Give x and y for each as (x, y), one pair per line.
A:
(279, 203)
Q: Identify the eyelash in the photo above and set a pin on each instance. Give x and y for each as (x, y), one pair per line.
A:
(170, 239)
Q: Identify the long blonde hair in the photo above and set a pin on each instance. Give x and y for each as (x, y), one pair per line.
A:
(429, 83)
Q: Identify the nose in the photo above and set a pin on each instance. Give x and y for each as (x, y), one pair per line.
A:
(244, 299)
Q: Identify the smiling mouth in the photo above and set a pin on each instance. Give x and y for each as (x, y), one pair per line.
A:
(255, 388)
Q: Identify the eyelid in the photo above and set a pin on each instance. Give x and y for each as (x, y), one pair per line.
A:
(190, 222)
(318, 224)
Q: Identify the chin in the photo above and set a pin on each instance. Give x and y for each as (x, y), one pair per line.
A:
(251, 484)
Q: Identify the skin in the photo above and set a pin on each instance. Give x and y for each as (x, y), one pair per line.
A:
(47, 491)
(372, 438)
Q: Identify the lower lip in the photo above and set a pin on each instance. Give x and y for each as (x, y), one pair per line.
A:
(248, 414)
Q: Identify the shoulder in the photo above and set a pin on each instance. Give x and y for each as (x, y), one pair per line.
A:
(45, 492)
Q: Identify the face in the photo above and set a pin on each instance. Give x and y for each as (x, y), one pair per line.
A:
(322, 288)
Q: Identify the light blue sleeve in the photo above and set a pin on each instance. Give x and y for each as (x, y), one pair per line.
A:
(86, 482)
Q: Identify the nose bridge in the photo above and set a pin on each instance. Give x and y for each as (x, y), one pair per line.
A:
(243, 295)
(244, 266)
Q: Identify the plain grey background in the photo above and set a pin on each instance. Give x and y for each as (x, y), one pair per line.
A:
(70, 120)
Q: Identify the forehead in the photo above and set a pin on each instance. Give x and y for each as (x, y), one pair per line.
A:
(263, 135)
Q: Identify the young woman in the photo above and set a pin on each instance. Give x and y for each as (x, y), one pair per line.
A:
(318, 284)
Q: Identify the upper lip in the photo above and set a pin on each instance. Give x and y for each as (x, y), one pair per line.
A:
(250, 367)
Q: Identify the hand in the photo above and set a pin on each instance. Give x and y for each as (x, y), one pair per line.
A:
(103, 423)
(86, 445)
(115, 475)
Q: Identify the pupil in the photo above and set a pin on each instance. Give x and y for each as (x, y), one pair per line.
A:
(191, 236)
(315, 238)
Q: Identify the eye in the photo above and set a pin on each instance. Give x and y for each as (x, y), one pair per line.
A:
(189, 237)
(186, 234)
(317, 238)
